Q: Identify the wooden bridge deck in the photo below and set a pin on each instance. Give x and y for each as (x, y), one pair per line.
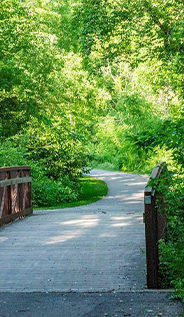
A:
(97, 247)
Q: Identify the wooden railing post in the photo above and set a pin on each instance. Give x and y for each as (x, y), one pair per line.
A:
(151, 240)
(155, 224)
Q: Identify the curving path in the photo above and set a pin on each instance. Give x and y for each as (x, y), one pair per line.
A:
(97, 247)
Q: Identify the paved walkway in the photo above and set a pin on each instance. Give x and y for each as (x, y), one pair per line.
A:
(114, 304)
(98, 248)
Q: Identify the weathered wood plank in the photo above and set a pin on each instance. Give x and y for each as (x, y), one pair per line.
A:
(14, 181)
(13, 168)
(8, 218)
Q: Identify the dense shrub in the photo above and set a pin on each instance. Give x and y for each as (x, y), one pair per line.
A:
(47, 192)
(136, 148)
(171, 249)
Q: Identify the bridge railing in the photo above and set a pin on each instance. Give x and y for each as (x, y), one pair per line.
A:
(155, 225)
(15, 193)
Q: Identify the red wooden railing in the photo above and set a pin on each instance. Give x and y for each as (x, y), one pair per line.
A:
(15, 193)
(155, 225)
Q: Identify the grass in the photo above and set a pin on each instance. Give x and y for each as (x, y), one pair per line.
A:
(92, 189)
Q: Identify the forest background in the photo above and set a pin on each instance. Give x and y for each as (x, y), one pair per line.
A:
(95, 83)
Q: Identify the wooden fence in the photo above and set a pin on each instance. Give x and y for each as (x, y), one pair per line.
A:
(15, 193)
(155, 225)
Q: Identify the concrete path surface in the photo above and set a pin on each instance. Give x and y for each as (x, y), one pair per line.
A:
(95, 250)
(98, 247)
(129, 304)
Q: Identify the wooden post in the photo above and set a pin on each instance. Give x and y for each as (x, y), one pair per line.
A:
(151, 240)
(155, 225)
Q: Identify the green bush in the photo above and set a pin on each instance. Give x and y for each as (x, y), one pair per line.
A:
(12, 154)
(171, 250)
(47, 192)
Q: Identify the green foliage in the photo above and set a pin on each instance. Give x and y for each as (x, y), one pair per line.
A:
(171, 250)
(170, 203)
(47, 192)
(56, 147)
(27, 59)
(132, 138)
(45, 98)
(11, 155)
(176, 141)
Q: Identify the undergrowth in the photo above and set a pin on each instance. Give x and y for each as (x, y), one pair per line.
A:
(171, 248)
